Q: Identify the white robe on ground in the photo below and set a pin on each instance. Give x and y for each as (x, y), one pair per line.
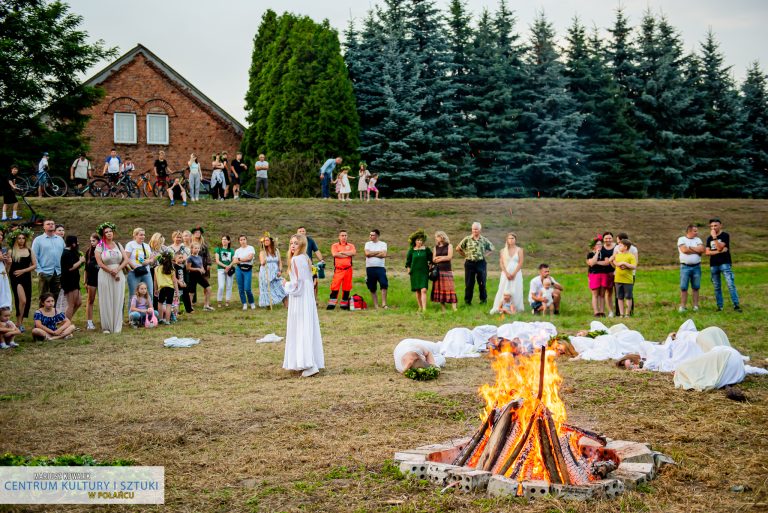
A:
(421, 347)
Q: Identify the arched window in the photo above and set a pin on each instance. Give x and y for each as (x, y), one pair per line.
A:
(158, 111)
(123, 112)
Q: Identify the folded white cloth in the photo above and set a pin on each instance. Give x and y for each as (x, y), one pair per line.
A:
(181, 342)
(272, 337)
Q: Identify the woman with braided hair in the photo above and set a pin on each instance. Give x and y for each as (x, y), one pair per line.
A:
(112, 261)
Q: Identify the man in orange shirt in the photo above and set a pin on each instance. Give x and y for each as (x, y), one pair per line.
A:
(342, 253)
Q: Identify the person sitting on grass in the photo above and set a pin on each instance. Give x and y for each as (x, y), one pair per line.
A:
(507, 307)
(543, 300)
(176, 191)
(49, 324)
(8, 329)
(141, 305)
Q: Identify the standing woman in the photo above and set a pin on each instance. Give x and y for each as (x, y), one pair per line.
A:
(596, 277)
(205, 252)
(609, 247)
(225, 168)
(156, 245)
(6, 298)
(91, 279)
(71, 261)
(417, 260)
(177, 246)
(23, 262)
(217, 178)
(139, 255)
(271, 290)
(443, 288)
(195, 178)
(244, 258)
(112, 261)
(225, 269)
(511, 259)
(362, 180)
(303, 342)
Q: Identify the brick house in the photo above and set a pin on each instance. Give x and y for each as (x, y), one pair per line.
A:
(149, 107)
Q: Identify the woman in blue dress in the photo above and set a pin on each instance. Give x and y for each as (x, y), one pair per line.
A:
(271, 291)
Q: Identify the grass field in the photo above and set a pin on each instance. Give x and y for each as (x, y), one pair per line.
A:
(238, 434)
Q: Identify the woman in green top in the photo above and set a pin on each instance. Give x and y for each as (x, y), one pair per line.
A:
(417, 261)
(225, 270)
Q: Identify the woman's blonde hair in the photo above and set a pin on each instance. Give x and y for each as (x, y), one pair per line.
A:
(177, 233)
(157, 241)
(15, 247)
(137, 231)
(442, 235)
(302, 248)
(186, 233)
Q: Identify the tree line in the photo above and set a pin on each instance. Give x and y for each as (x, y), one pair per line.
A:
(449, 106)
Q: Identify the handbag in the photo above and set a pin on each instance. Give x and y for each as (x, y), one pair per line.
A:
(231, 271)
(245, 267)
(150, 321)
(434, 273)
(142, 269)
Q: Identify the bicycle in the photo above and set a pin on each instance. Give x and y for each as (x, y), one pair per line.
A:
(124, 187)
(144, 184)
(94, 188)
(53, 186)
(163, 183)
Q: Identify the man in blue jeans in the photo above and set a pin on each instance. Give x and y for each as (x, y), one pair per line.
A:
(718, 251)
(690, 249)
(326, 174)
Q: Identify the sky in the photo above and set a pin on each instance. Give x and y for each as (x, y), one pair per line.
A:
(210, 43)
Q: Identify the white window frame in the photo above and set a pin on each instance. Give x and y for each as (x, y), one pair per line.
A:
(167, 137)
(114, 127)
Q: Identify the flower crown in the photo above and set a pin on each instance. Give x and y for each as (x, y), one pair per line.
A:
(197, 229)
(106, 224)
(267, 236)
(418, 234)
(598, 238)
(346, 168)
(26, 232)
(163, 256)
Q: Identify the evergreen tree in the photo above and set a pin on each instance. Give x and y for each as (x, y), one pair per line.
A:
(43, 55)
(718, 167)
(754, 105)
(300, 102)
(554, 166)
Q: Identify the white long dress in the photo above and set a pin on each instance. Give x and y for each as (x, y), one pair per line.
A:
(303, 342)
(5, 287)
(514, 287)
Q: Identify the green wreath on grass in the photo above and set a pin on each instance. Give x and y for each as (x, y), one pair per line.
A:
(423, 373)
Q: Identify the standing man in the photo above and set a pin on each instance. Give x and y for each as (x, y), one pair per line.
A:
(48, 248)
(375, 267)
(42, 169)
(112, 166)
(537, 286)
(312, 249)
(474, 248)
(161, 168)
(718, 251)
(262, 166)
(8, 189)
(326, 173)
(81, 171)
(238, 171)
(690, 248)
(342, 252)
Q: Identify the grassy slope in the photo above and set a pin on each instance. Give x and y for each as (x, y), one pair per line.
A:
(236, 433)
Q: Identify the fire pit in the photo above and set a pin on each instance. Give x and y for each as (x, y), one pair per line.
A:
(524, 445)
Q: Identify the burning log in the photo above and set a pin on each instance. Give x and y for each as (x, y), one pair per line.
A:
(469, 450)
(583, 432)
(557, 449)
(547, 451)
(498, 437)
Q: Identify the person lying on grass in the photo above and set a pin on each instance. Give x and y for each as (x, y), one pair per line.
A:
(49, 324)
(412, 353)
(8, 329)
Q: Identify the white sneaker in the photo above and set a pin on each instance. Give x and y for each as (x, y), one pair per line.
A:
(90, 326)
(253, 306)
(3, 345)
(610, 314)
(12, 344)
(695, 308)
(245, 306)
(682, 309)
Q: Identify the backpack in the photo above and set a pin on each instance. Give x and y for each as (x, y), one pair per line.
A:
(358, 303)
(150, 321)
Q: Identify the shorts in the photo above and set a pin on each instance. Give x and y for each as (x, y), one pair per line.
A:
(196, 279)
(376, 275)
(690, 274)
(81, 182)
(113, 177)
(624, 290)
(166, 296)
(601, 281)
(176, 190)
(536, 305)
(42, 178)
(9, 197)
(372, 188)
(234, 180)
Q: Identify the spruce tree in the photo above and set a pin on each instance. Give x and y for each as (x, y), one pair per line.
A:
(754, 105)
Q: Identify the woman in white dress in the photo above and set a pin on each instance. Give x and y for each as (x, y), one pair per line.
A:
(511, 282)
(303, 342)
(112, 261)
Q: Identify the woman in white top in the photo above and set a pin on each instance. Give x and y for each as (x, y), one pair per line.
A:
(140, 259)
(195, 178)
(303, 342)
(244, 256)
(511, 262)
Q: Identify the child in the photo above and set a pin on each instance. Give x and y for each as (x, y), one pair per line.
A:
(141, 304)
(507, 306)
(362, 180)
(548, 302)
(624, 262)
(50, 325)
(179, 266)
(8, 329)
(337, 181)
(167, 283)
(346, 189)
(196, 269)
(372, 186)
(127, 167)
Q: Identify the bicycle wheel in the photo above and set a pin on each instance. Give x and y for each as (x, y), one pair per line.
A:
(132, 188)
(121, 191)
(55, 187)
(98, 188)
(22, 183)
(159, 189)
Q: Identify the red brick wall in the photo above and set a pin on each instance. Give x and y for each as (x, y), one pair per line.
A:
(143, 88)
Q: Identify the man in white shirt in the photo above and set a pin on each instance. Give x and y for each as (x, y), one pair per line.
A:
(81, 171)
(690, 247)
(535, 290)
(262, 168)
(375, 267)
(112, 166)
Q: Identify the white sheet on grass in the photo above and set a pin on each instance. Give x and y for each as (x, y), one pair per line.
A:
(272, 337)
(181, 342)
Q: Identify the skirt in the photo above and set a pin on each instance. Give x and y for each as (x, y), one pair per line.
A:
(443, 288)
